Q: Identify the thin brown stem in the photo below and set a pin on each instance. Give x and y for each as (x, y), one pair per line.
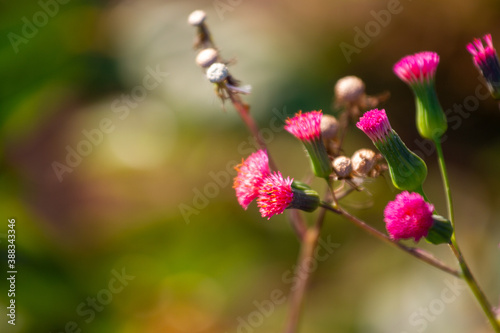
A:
(298, 223)
(417, 253)
(243, 110)
(306, 254)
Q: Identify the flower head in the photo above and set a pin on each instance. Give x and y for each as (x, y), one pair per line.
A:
(275, 195)
(417, 68)
(251, 174)
(486, 60)
(408, 216)
(375, 124)
(418, 71)
(305, 126)
(407, 170)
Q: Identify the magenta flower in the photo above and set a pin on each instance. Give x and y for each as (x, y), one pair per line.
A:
(417, 68)
(409, 216)
(486, 60)
(418, 71)
(275, 195)
(375, 124)
(407, 170)
(251, 173)
(305, 126)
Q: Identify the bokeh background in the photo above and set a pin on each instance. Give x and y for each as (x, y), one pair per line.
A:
(73, 69)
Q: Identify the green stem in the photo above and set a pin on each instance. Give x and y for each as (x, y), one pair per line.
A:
(466, 272)
(446, 182)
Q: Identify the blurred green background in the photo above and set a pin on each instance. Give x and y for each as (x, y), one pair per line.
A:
(102, 244)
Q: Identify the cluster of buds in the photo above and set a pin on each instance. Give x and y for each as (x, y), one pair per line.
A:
(208, 58)
(362, 164)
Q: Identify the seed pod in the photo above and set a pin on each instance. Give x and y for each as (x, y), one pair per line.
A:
(329, 127)
(217, 72)
(349, 89)
(197, 17)
(342, 167)
(363, 161)
(207, 57)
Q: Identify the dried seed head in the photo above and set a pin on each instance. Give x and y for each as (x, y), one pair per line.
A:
(363, 161)
(329, 127)
(207, 57)
(217, 72)
(349, 89)
(342, 166)
(197, 17)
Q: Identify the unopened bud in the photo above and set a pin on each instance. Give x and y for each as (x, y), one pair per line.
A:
(342, 167)
(349, 89)
(197, 17)
(363, 161)
(217, 72)
(329, 127)
(207, 57)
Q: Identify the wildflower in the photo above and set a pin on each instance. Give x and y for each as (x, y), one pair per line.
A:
(251, 174)
(407, 170)
(486, 60)
(307, 128)
(418, 71)
(408, 216)
(277, 194)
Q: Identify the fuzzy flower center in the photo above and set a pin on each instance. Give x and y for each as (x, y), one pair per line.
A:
(275, 195)
(408, 216)
(375, 124)
(305, 126)
(417, 68)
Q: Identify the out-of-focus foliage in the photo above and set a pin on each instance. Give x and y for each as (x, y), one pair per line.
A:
(116, 162)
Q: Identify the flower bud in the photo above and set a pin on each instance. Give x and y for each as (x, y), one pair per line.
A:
(407, 170)
(207, 57)
(363, 161)
(349, 89)
(418, 72)
(329, 127)
(217, 72)
(197, 17)
(342, 167)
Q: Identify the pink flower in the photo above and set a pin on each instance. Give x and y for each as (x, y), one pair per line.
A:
(251, 173)
(305, 126)
(375, 124)
(486, 60)
(275, 195)
(417, 68)
(482, 55)
(409, 216)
